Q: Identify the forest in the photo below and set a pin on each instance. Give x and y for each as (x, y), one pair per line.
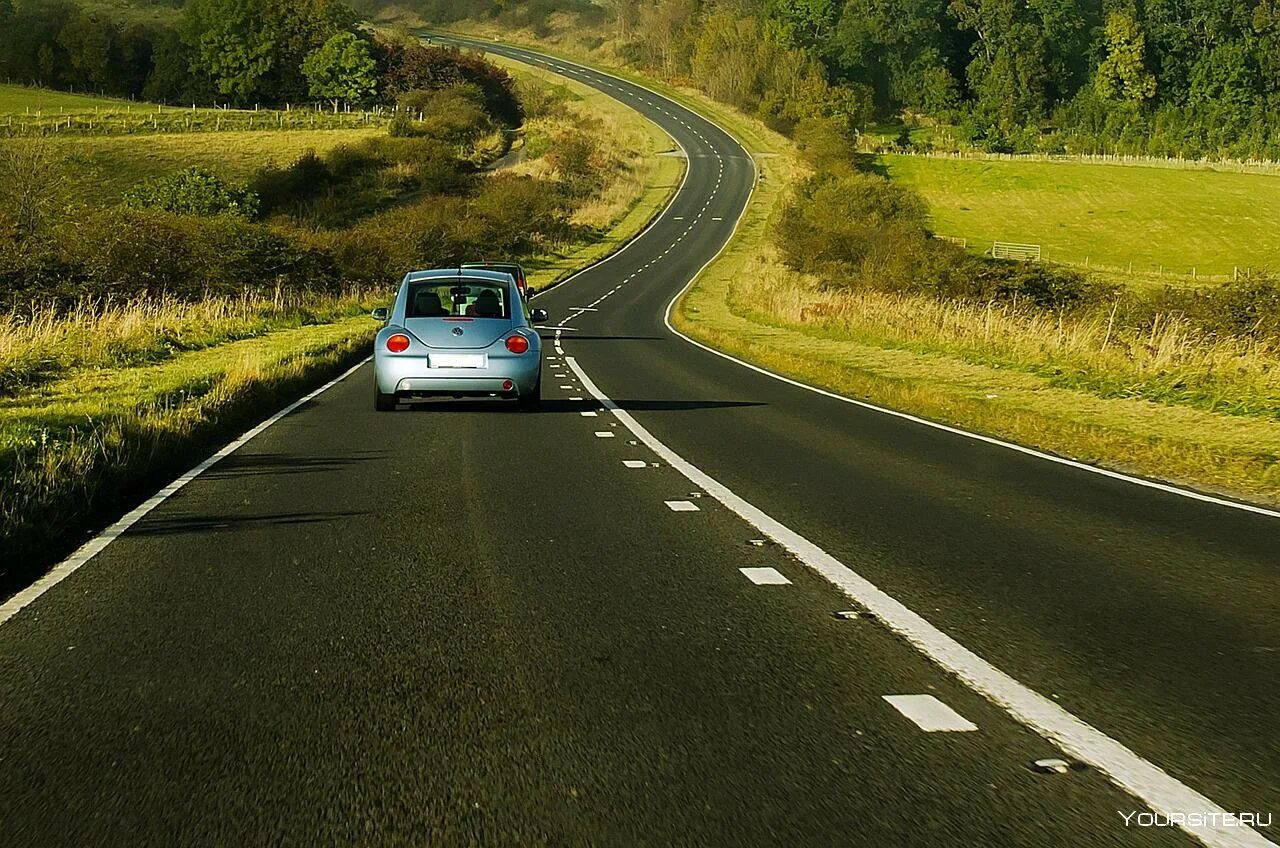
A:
(1184, 78)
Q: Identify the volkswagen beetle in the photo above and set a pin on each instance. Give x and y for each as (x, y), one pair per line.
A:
(457, 333)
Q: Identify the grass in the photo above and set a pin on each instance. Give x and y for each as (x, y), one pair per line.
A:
(39, 348)
(21, 100)
(101, 169)
(30, 111)
(1108, 215)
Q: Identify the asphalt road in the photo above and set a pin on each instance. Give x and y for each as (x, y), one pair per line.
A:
(461, 625)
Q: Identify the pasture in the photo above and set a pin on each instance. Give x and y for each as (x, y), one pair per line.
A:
(102, 168)
(1111, 216)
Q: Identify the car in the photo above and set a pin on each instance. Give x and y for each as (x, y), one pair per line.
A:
(457, 332)
(513, 268)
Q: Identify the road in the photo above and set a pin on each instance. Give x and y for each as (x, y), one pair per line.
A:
(461, 625)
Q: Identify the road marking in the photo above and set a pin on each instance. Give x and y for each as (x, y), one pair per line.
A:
(577, 398)
(682, 506)
(590, 414)
(635, 463)
(566, 387)
(1144, 780)
(930, 714)
(604, 434)
(94, 546)
(765, 576)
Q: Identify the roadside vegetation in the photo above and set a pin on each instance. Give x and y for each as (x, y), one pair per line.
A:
(159, 293)
(836, 278)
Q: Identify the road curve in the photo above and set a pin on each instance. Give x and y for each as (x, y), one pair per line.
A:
(463, 625)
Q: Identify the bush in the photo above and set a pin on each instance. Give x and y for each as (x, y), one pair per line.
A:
(861, 230)
(129, 252)
(278, 187)
(194, 191)
(854, 226)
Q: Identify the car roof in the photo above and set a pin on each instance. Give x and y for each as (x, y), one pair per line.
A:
(515, 265)
(468, 273)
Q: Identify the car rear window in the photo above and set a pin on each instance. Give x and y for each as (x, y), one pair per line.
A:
(457, 298)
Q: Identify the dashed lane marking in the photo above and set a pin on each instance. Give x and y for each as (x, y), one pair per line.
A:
(635, 463)
(930, 714)
(682, 506)
(765, 576)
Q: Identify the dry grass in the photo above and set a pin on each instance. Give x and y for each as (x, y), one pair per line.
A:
(40, 346)
(1171, 362)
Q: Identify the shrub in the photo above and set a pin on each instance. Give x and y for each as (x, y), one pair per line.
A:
(194, 191)
(277, 187)
(128, 252)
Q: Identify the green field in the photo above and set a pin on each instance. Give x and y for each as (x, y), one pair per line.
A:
(19, 99)
(1108, 215)
(103, 168)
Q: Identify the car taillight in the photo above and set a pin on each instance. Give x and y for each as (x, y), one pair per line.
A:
(398, 343)
(517, 344)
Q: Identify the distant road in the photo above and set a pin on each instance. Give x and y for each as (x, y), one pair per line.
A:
(615, 623)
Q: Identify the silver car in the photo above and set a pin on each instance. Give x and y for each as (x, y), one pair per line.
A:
(457, 333)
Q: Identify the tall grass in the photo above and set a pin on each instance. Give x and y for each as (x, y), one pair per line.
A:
(1170, 361)
(44, 343)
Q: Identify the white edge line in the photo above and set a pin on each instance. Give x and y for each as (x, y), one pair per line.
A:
(1144, 780)
(94, 546)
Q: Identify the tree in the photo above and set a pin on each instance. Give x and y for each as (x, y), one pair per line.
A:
(8, 18)
(33, 186)
(804, 23)
(87, 41)
(342, 69)
(1122, 74)
(231, 43)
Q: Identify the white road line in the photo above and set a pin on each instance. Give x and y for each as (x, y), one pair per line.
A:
(1144, 780)
(765, 576)
(94, 546)
(930, 714)
(682, 506)
(635, 463)
(590, 414)
(604, 434)
(567, 387)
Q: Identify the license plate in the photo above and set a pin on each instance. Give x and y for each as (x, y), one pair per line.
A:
(458, 360)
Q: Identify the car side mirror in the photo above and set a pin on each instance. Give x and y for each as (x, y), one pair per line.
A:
(539, 316)
(382, 313)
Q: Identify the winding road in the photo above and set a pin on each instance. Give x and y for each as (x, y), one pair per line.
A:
(688, 604)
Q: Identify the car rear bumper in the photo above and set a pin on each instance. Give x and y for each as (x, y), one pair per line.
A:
(401, 375)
